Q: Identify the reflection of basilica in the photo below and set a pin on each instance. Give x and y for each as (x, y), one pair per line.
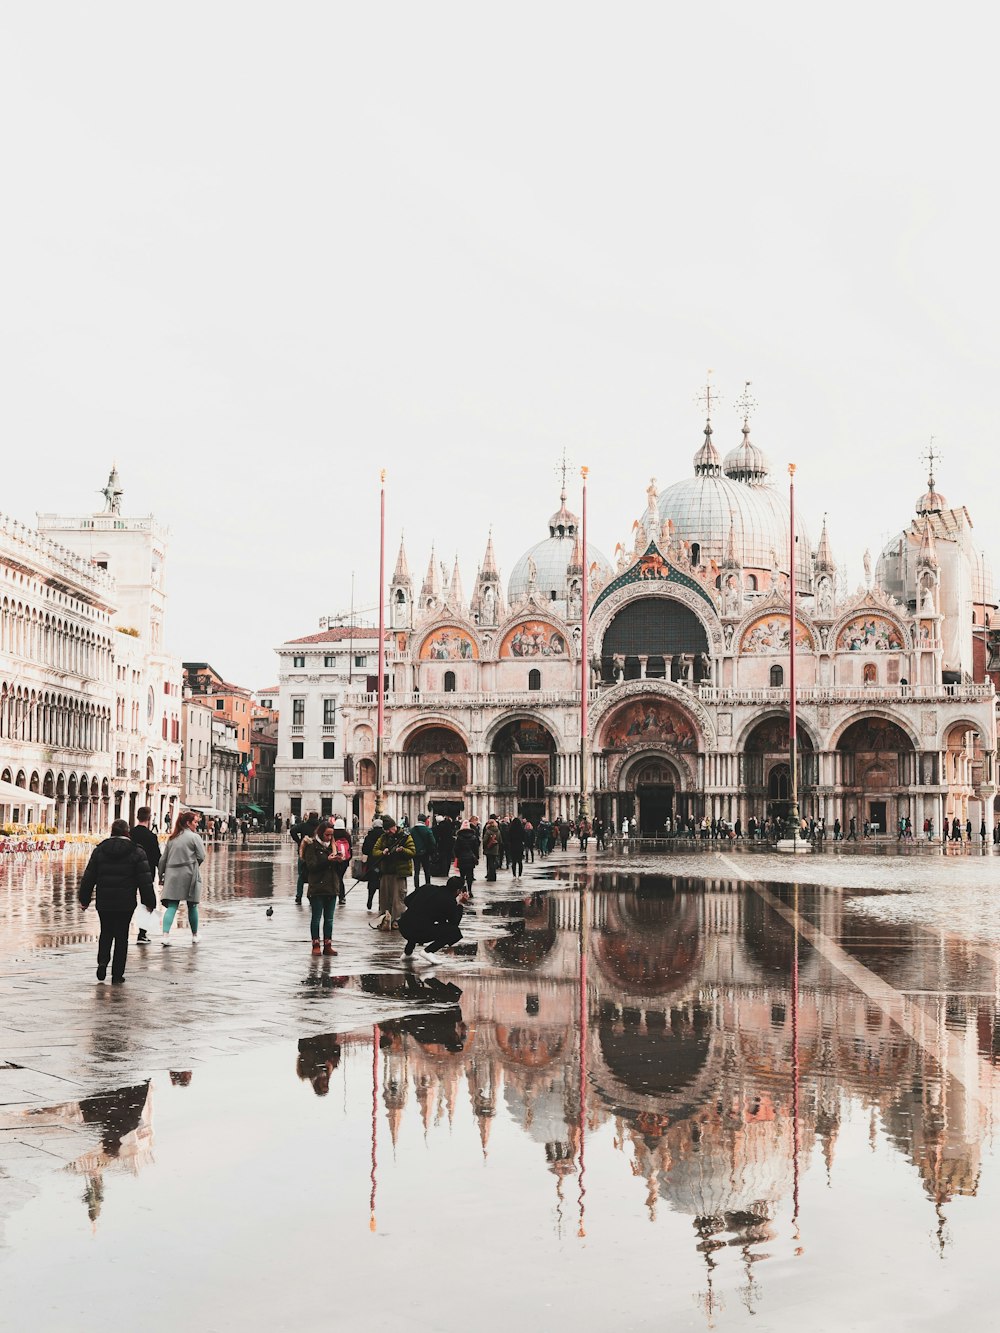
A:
(689, 632)
(717, 1081)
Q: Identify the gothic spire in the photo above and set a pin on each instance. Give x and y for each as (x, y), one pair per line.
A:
(489, 567)
(456, 597)
(401, 574)
(825, 562)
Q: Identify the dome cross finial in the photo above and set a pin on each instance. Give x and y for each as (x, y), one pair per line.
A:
(746, 405)
(562, 468)
(930, 458)
(708, 396)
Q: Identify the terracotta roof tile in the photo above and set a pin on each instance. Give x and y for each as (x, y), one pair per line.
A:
(338, 634)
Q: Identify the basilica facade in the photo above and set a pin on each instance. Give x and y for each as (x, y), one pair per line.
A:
(689, 634)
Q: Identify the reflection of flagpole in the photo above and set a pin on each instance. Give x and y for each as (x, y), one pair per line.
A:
(371, 1199)
(584, 944)
(795, 1063)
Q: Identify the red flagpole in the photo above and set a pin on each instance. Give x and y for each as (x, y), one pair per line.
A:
(794, 830)
(380, 741)
(584, 670)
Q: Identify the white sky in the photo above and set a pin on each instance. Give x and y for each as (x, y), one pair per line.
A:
(255, 252)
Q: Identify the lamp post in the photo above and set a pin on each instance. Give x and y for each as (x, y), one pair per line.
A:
(380, 729)
(584, 667)
(793, 829)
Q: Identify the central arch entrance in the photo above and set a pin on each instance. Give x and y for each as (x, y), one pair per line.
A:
(656, 789)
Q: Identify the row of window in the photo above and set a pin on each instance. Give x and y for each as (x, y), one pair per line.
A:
(298, 663)
(298, 750)
(534, 681)
(299, 712)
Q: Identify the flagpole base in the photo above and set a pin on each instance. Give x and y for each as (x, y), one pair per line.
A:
(794, 846)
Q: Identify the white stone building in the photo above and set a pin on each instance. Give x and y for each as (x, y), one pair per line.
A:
(57, 646)
(314, 675)
(689, 635)
(146, 740)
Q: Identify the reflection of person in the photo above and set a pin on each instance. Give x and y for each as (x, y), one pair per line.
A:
(432, 917)
(180, 874)
(117, 870)
(317, 1059)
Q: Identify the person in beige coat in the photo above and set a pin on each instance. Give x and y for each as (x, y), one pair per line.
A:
(180, 873)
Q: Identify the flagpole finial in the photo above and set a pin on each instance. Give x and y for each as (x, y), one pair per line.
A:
(381, 476)
(584, 472)
(791, 469)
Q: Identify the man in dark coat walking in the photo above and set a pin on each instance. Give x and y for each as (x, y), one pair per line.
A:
(426, 849)
(117, 870)
(143, 836)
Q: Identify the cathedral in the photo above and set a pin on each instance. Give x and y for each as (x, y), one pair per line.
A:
(689, 634)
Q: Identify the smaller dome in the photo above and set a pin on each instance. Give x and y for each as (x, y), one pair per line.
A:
(706, 461)
(563, 523)
(746, 462)
(933, 502)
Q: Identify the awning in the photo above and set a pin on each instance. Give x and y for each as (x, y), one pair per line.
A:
(207, 810)
(11, 795)
(248, 805)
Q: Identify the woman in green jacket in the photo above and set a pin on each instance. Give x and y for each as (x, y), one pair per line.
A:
(323, 885)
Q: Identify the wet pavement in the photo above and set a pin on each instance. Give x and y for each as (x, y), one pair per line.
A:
(712, 1089)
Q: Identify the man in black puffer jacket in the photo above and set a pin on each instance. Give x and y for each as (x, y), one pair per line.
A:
(117, 869)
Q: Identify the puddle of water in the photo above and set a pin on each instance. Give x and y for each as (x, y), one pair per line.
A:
(667, 1098)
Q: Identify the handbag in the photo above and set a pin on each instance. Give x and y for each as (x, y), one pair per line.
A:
(359, 868)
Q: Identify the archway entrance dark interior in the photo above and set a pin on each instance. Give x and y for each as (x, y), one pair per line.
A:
(655, 785)
(521, 766)
(453, 809)
(659, 629)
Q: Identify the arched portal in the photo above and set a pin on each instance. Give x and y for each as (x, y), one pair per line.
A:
(767, 770)
(435, 765)
(878, 766)
(659, 795)
(655, 638)
(522, 759)
(648, 748)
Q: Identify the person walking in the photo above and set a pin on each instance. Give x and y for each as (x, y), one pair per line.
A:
(323, 883)
(515, 847)
(342, 859)
(372, 867)
(492, 847)
(143, 836)
(432, 917)
(467, 854)
(529, 839)
(116, 872)
(180, 874)
(426, 849)
(394, 854)
(304, 828)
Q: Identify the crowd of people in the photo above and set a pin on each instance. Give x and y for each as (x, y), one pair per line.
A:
(126, 866)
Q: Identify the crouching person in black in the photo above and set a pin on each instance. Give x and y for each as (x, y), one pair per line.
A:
(432, 917)
(117, 869)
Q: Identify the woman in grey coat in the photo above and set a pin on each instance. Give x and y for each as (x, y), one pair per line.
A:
(180, 873)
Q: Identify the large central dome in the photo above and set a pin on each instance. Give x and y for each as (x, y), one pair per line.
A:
(735, 497)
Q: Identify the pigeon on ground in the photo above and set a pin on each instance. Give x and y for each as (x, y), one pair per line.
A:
(269, 912)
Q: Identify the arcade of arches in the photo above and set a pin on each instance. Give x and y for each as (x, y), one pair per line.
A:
(651, 763)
